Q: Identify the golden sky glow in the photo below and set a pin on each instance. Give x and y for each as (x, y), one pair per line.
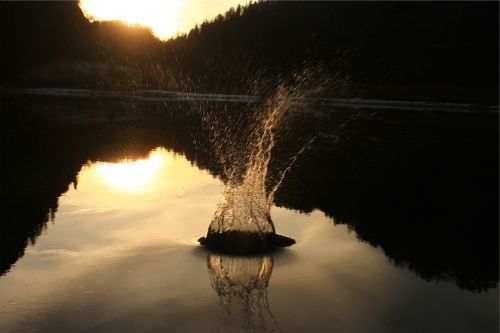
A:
(166, 18)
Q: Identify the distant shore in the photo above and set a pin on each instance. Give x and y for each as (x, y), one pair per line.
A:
(345, 103)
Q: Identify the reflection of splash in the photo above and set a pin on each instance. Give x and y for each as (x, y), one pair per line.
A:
(241, 284)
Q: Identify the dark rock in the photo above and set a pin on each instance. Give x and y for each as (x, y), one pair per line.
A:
(237, 242)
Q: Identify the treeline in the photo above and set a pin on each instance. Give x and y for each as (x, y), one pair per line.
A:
(364, 48)
(52, 43)
(360, 44)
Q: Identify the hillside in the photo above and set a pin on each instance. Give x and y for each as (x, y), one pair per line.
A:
(442, 51)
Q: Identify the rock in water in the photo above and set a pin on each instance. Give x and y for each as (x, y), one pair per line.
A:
(241, 242)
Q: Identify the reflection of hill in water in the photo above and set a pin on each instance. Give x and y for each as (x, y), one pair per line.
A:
(421, 186)
(424, 190)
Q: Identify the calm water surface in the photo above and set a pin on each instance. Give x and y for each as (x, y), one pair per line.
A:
(120, 255)
(117, 250)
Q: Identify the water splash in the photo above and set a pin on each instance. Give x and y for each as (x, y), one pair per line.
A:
(242, 222)
(246, 204)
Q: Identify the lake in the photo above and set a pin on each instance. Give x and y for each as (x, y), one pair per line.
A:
(394, 212)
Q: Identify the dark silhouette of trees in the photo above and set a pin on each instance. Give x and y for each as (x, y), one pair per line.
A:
(439, 50)
(366, 44)
(52, 43)
(424, 187)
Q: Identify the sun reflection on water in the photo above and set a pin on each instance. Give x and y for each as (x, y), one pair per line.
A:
(133, 176)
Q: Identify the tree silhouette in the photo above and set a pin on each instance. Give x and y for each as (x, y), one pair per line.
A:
(402, 50)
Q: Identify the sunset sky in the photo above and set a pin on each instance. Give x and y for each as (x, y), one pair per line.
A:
(166, 18)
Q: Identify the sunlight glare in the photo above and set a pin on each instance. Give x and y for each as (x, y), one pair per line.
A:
(132, 176)
(166, 18)
(156, 14)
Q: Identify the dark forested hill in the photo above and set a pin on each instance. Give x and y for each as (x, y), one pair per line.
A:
(365, 49)
(364, 44)
(52, 43)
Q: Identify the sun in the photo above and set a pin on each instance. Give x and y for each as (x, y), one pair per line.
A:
(160, 16)
(166, 18)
